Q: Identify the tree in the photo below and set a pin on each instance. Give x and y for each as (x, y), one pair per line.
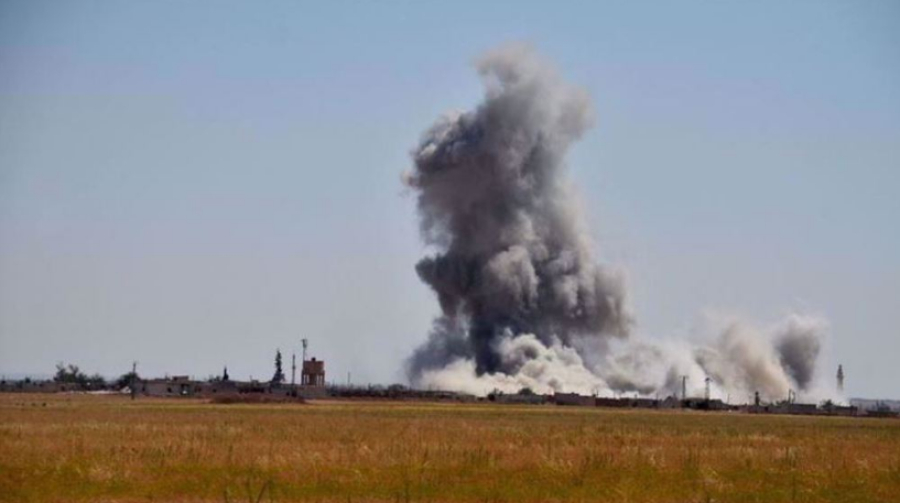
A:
(225, 374)
(278, 378)
(95, 381)
(69, 374)
(127, 380)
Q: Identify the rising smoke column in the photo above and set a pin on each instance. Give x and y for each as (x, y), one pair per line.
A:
(513, 257)
(799, 344)
(523, 301)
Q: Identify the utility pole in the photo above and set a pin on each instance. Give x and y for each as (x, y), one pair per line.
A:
(303, 378)
(293, 374)
(133, 384)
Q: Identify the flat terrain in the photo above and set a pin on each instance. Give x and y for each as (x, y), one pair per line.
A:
(93, 448)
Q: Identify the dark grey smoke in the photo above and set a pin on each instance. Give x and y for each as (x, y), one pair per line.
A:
(798, 345)
(512, 256)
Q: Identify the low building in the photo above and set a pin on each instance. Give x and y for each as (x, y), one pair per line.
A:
(169, 386)
(31, 386)
(631, 403)
(670, 402)
(839, 410)
(803, 409)
(217, 387)
(518, 398)
(573, 399)
(643, 403)
(610, 402)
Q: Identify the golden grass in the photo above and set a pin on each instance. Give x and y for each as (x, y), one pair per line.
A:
(56, 448)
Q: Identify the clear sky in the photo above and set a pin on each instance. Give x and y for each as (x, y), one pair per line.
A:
(193, 184)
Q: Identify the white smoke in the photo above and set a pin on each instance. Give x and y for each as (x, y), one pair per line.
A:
(533, 365)
(740, 360)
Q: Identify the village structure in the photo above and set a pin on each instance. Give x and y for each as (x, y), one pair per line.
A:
(312, 384)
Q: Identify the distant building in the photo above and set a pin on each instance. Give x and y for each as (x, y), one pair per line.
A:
(313, 373)
(30, 386)
(168, 386)
(705, 404)
(611, 402)
(643, 403)
(219, 387)
(517, 398)
(833, 409)
(573, 399)
(794, 408)
(872, 405)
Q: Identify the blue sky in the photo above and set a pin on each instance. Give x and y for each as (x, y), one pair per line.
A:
(193, 184)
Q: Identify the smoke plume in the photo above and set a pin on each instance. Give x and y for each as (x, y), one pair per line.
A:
(799, 346)
(524, 302)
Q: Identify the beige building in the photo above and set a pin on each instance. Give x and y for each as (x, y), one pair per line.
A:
(313, 373)
(168, 386)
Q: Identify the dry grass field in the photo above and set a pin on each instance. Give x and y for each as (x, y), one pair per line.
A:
(56, 448)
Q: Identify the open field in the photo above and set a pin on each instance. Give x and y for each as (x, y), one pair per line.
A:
(57, 448)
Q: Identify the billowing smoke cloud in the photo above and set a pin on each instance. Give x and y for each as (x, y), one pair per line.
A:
(740, 359)
(531, 365)
(524, 302)
(799, 344)
(513, 254)
(744, 358)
